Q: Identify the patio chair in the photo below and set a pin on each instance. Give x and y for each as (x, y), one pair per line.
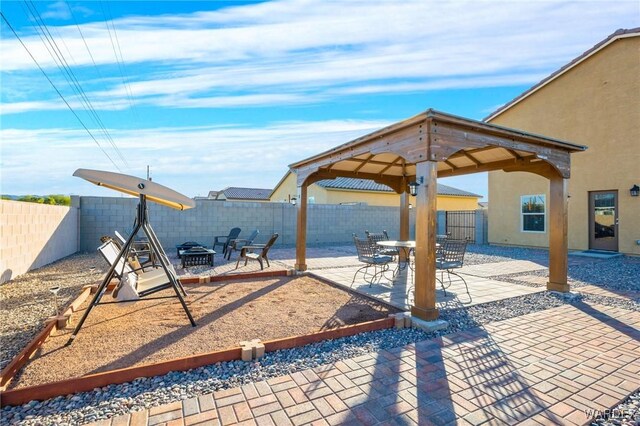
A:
(145, 282)
(369, 255)
(374, 237)
(452, 253)
(134, 261)
(257, 252)
(140, 248)
(224, 240)
(237, 243)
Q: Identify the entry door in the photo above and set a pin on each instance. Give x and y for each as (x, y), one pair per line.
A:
(603, 220)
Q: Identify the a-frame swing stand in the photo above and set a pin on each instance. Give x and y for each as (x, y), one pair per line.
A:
(141, 223)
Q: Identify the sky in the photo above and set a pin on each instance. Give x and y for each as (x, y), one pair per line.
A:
(216, 94)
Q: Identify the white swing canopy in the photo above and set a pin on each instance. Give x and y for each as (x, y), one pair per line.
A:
(136, 186)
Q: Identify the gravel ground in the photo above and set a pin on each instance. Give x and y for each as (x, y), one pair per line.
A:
(145, 393)
(27, 302)
(627, 413)
(618, 274)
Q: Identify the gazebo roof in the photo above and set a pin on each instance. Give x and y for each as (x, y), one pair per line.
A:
(459, 145)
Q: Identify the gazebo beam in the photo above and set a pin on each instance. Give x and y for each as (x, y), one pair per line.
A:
(404, 216)
(424, 306)
(558, 230)
(301, 231)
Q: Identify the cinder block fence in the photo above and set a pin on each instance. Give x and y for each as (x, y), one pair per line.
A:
(34, 235)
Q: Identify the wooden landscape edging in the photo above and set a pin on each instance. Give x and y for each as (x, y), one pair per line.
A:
(334, 333)
(233, 277)
(7, 373)
(352, 290)
(86, 383)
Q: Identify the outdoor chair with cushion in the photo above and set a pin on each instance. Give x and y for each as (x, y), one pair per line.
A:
(238, 243)
(374, 237)
(134, 260)
(369, 255)
(141, 248)
(224, 240)
(257, 252)
(451, 256)
(145, 282)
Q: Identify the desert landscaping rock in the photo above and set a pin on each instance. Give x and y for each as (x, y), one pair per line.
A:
(27, 302)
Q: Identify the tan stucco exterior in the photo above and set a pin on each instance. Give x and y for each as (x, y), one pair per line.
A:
(287, 189)
(596, 103)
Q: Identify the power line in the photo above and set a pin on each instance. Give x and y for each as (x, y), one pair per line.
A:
(119, 60)
(58, 91)
(71, 78)
(86, 45)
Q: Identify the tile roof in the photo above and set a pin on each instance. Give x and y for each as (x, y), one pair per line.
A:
(236, 193)
(355, 184)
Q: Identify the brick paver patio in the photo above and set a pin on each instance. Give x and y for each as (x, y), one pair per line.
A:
(547, 367)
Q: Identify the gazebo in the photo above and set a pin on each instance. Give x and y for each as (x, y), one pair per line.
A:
(435, 144)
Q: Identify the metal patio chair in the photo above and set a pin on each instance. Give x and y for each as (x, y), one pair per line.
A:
(451, 256)
(374, 237)
(368, 254)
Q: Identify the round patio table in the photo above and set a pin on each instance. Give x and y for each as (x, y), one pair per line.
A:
(405, 246)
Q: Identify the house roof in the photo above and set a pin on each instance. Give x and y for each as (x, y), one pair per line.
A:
(618, 34)
(236, 193)
(355, 184)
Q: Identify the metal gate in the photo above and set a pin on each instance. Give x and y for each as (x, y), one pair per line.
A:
(462, 225)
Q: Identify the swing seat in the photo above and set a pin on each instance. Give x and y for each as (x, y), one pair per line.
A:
(148, 282)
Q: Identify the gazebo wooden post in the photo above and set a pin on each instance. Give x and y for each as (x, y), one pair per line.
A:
(425, 274)
(404, 216)
(558, 227)
(301, 231)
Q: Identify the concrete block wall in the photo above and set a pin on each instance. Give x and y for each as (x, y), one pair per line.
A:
(326, 223)
(482, 225)
(33, 235)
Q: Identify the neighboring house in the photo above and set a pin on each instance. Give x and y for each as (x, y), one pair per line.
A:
(594, 101)
(241, 194)
(483, 205)
(351, 191)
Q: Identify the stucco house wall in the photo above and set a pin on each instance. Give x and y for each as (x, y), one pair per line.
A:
(287, 189)
(596, 103)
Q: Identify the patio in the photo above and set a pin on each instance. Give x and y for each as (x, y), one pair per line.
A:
(339, 264)
(558, 366)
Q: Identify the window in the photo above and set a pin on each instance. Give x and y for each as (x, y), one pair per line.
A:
(532, 213)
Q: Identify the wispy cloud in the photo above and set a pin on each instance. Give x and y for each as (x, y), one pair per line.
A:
(194, 160)
(242, 55)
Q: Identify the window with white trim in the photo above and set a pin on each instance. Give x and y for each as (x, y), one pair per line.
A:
(532, 213)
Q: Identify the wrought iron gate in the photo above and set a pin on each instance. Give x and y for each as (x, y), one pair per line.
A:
(462, 224)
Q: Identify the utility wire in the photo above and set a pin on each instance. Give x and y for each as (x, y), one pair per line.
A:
(86, 45)
(71, 78)
(58, 91)
(119, 60)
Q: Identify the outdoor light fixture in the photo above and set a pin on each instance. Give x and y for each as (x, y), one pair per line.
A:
(413, 186)
(635, 190)
(293, 201)
(54, 291)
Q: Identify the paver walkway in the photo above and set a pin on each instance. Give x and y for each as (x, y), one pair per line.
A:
(547, 367)
(399, 291)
